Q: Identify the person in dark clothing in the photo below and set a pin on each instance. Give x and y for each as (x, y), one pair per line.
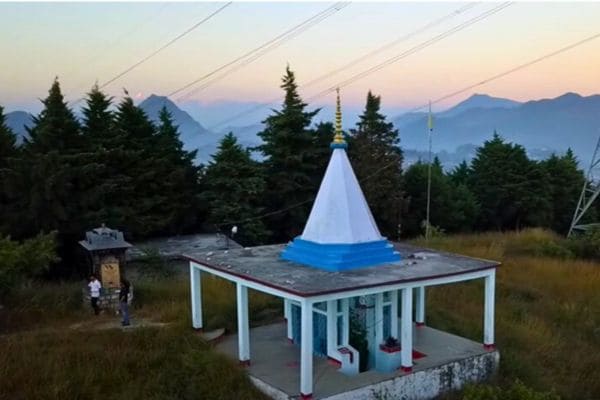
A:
(123, 302)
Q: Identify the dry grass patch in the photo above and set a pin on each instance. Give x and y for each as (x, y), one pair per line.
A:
(547, 311)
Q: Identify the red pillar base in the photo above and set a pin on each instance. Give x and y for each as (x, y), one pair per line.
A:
(244, 363)
(419, 324)
(406, 370)
(290, 340)
(489, 346)
(198, 330)
(306, 396)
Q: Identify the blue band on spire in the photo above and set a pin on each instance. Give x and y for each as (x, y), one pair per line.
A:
(340, 257)
(334, 145)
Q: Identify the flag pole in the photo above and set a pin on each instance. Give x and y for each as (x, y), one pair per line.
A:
(429, 132)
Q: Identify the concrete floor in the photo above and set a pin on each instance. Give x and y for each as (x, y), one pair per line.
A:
(276, 361)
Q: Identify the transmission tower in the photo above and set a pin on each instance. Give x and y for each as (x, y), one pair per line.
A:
(589, 192)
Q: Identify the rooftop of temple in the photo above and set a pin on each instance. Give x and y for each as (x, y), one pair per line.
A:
(263, 265)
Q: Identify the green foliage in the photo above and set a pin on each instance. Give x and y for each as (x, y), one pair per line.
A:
(513, 191)
(566, 181)
(8, 152)
(586, 244)
(234, 186)
(27, 260)
(517, 391)
(453, 206)
(377, 162)
(293, 162)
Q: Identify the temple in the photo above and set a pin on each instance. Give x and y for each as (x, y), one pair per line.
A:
(342, 283)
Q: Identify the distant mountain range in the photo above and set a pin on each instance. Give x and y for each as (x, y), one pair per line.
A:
(19, 121)
(542, 126)
(556, 124)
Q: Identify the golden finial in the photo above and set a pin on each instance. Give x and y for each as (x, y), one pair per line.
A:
(338, 139)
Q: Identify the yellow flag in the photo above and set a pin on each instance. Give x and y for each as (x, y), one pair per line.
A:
(430, 119)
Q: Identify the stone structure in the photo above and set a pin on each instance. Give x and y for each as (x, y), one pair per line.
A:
(339, 274)
(106, 249)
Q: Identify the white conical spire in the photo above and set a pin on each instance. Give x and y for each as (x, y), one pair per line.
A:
(340, 233)
(340, 213)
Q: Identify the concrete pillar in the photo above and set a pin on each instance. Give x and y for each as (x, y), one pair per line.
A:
(394, 314)
(306, 350)
(196, 296)
(287, 312)
(378, 319)
(420, 306)
(406, 330)
(243, 324)
(346, 321)
(488, 312)
(331, 327)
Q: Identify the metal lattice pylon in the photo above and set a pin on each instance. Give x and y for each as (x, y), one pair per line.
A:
(589, 192)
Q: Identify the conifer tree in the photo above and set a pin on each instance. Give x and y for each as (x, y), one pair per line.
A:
(98, 119)
(453, 207)
(53, 170)
(8, 153)
(233, 189)
(461, 173)
(179, 174)
(292, 175)
(53, 183)
(512, 190)
(377, 161)
(566, 180)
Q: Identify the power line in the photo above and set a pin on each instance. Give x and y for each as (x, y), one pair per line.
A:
(510, 71)
(259, 51)
(393, 43)
(163, 47)
(296, 205)
(389, 61)
(413, 50)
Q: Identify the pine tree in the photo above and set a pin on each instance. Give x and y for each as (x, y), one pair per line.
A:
(461, 173)
(8, 153)
(566, 180)
(56, 128)
(98, 120)
(132, 159)
(377, 161)
(512, 190)
(453, 207)
(289, 148)
(180, 176)
(53, 170)
(233, 189)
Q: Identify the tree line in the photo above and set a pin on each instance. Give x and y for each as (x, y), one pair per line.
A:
(115, 166)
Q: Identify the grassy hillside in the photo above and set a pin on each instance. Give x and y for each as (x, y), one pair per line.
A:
(547, 329)
(547, 311)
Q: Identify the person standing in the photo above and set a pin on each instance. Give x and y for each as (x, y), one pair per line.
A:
(123, 302)
(95, 287)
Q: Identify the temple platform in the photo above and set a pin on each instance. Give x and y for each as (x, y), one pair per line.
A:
(449, 362)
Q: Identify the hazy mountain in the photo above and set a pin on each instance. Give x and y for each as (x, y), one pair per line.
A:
(566, 121)
(480, 101)
(18, 121)
(190, 130)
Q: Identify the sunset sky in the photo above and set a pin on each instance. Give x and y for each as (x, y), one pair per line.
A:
(85, 42)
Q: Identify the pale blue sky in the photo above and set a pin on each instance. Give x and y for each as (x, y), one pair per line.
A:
(82, 42)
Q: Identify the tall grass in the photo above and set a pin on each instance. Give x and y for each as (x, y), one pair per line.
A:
(147, 363)
(55, 361)
(547, 311)
(547, 329)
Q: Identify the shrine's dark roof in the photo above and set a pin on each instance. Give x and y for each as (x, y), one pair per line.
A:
(263, 264)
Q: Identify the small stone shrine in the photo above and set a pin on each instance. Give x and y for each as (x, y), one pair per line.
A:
(106, 249)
